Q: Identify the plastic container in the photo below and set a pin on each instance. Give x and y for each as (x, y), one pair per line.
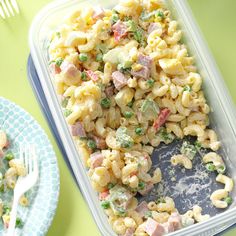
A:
(222, 116)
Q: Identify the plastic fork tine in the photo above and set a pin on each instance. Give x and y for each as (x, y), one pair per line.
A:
(9, 7)
(26, 162)
(30, 159)
(15, 6)
(2, 13)
(35, 160)
(21, 154)
(24, 183)
(5, 8)
(33, 157)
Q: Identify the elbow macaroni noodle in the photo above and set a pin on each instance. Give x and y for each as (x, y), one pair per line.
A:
(181, 160)
(217, 198)
(123, 74)
(197, 214)
(228, 182)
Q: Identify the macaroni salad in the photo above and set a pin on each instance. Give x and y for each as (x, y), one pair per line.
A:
(127, 84)
(10, 170)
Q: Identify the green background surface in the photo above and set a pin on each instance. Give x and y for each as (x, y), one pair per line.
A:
(217, 20)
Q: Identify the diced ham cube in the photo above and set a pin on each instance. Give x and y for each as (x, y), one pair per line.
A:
(153, 228)
(148, 187)
(161, 119)
(119, 80)
(166, 227)
(96, 159)
(142, 208)
(143, 73)
(129, 232)
(78, 130)
(109, 91)
(55, 69)
(92, 75)
(103, 195)
(169, 227)
(120, 30)
(100, 142)
(145, 60)
(174, 222)
(98, 13)
(69, 69)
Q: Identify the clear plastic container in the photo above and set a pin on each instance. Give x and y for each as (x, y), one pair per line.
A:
(222, 115)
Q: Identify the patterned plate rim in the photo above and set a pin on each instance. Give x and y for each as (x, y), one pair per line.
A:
(56, 191)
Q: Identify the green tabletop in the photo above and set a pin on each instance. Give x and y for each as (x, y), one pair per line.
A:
(217, 20)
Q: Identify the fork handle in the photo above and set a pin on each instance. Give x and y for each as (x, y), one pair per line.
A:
(12, 224)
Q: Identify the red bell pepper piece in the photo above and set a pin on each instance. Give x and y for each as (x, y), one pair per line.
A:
(161, 119)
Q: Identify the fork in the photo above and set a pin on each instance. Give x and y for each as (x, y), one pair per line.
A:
(24, 183)
(7, 8)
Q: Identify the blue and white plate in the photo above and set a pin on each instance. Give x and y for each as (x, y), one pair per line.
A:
(43, 198)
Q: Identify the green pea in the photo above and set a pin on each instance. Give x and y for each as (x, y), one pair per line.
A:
(228, 200)
(6, 209)
(210, 167)
(19, 223)
(105, 204)
(83, 57)
(150, 82)
(84, 76)
(141, 185)
(91, 144)
(9, 156)
(105, 102)
(139, 131)
(160, 14)
(128, 114)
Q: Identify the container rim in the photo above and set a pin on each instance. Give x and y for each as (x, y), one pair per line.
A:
(219, 220)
